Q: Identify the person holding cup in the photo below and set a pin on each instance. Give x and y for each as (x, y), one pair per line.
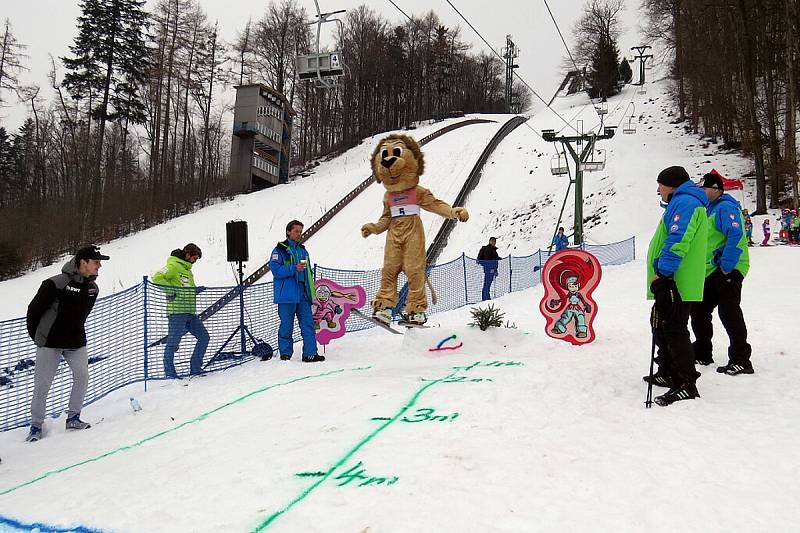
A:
(293, 291)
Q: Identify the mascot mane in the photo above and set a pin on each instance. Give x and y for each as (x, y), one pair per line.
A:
(410, 143)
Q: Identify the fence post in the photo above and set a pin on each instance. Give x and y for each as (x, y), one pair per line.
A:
(634, 247)
(510, 275)
(144, 300)
(464, 266)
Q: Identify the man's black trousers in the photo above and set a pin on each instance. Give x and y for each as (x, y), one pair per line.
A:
(675, 354)
(725, 292)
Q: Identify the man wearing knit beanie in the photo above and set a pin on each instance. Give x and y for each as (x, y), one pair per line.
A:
(676, 271)
(673, 177)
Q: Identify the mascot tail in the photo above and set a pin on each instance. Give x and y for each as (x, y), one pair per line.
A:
(430, 288)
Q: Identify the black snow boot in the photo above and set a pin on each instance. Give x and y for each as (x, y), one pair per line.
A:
(687, 391)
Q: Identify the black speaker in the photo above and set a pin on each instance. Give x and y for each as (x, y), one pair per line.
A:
(236, 233)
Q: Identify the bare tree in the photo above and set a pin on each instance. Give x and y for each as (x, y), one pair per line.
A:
(12, 53)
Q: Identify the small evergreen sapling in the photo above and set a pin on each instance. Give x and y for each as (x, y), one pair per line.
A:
(487, 317)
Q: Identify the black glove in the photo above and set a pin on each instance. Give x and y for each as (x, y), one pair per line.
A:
(587, 308)
(733, 275)
(666, 295)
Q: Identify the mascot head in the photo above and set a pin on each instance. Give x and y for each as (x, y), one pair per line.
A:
(397, 162)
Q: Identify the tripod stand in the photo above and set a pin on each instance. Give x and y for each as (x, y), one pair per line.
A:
(241, 329)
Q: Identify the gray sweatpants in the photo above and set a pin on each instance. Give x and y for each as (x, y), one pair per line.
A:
(47, 361)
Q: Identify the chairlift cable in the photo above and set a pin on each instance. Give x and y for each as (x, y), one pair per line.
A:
(403, 12)
(562, 37)
(531, 89)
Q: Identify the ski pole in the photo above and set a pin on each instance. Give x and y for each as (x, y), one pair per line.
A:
(648, 403)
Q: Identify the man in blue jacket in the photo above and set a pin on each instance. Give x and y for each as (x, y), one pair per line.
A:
(560, 241)
(675, 269)
(727, 263)
(293, 291)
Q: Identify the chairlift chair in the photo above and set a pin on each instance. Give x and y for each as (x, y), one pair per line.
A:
(630, 127)
(325, 68)
(641, 90)
(601, 108)
(558, 164)
(596, 161)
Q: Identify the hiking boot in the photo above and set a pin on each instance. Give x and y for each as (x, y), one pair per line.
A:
(34, 434)
(733, 369)
(285, 357)
(313, 358)
(581, 335)
(383, 315)
(705, 361)
(74, 422)
(659, 380)
(687, 391)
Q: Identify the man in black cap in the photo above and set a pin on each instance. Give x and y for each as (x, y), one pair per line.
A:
(488, 258)
(56, 318)
(727, 264)
(676, 266)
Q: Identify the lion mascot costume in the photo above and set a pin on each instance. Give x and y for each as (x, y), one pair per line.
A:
(397, 163)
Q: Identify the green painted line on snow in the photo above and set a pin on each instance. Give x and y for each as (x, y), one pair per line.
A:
(304, 494)
(179, 426)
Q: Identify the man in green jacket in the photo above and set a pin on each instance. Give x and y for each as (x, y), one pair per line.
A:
(727, 263)
(178, 284)
(676, 270)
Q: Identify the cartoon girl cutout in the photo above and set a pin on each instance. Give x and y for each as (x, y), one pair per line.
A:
(576, 306)
(570, 277)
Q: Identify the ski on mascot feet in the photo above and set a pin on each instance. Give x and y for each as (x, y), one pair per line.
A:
(377, 322)
(408, 324)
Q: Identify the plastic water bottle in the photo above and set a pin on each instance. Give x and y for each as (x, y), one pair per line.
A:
(135, 405)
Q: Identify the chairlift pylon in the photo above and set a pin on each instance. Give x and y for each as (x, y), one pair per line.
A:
(324, 68)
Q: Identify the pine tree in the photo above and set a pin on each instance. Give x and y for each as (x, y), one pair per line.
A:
(625, 71)
(110, 59)
(109, 68)
(604, 71)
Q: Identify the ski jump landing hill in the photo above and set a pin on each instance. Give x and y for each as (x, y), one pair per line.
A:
(127, 330)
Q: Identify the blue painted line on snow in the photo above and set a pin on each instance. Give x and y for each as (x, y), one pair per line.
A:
(45, 528)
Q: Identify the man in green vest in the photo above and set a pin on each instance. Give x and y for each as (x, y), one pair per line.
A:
(675, 274)
(727, 264)
(178, 282)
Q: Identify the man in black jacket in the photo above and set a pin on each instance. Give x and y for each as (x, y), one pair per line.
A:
(488, 258)
(55, 319)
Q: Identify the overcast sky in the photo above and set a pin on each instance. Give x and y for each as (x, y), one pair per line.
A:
(49, 27)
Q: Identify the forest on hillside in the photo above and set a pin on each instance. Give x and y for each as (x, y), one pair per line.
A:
(131, 130)
(735, 70)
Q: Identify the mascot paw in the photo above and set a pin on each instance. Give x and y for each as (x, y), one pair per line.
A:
(461, 214)
(367, 230)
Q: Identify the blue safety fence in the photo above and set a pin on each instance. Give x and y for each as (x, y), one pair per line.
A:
(127, 331)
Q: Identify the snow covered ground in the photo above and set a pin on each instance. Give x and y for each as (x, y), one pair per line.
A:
(513, 432)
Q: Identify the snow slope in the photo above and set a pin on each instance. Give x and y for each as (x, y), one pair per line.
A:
(513, 432)
(267, 213)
